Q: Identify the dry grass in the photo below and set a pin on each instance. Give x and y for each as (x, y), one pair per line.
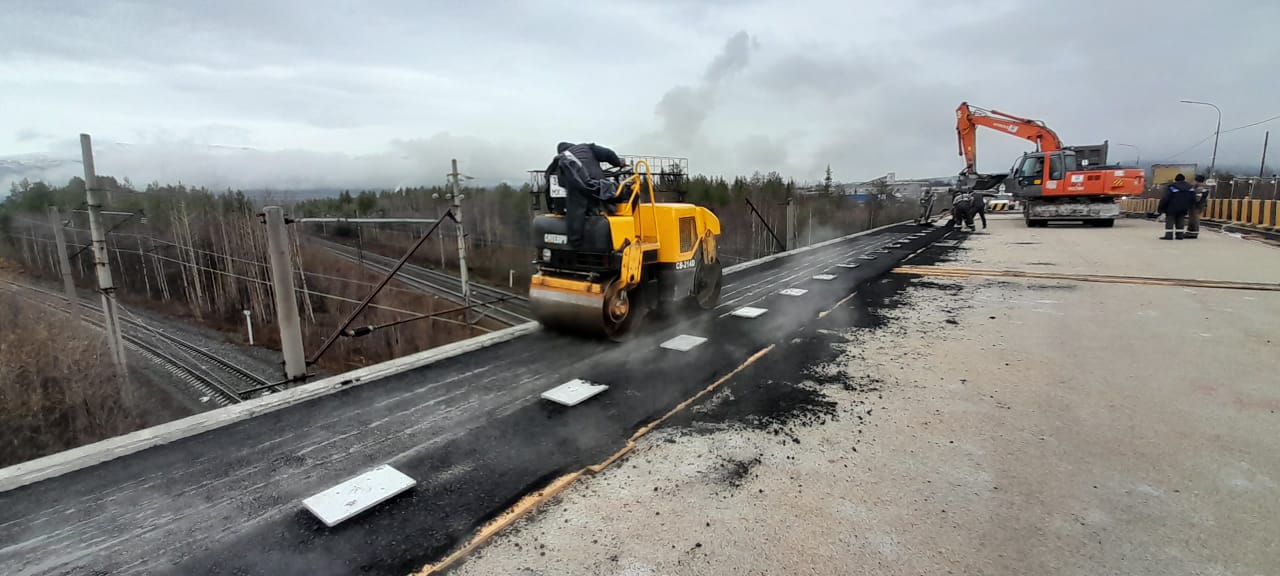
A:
(58, 389)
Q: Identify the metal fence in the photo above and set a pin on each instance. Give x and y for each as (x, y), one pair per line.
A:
(1257, 213)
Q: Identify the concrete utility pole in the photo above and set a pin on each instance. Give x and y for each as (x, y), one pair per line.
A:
(793, 232)
(455, 195)
(110, 309)
(64, 264)
(295, 364)
(248, 323)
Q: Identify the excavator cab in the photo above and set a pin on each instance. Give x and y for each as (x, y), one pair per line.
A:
(1030, 177)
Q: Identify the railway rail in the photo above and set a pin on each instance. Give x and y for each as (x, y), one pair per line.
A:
(508, 307)
(211, 377)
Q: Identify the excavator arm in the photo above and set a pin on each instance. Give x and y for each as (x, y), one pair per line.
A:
(969, 118)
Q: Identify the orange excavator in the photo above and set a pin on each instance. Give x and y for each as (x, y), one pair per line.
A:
(1055, 182)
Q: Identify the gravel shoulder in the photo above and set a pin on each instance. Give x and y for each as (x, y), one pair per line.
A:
(973, 426)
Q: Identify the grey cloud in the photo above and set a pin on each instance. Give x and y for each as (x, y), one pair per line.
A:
(764, 153)
(310, 91)
(28, 135)
(684, 109)
(835, 76)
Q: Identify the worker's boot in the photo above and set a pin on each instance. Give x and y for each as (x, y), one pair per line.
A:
(1168, 235)
(1179, 235)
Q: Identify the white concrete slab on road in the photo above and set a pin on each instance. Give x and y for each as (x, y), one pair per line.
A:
(749, 312)
(683, 343)
(573, 392)
(346, 500)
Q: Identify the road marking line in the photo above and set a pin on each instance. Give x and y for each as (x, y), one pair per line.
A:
(793, 291)
(533, 500)
(823, 314)
(824, 276)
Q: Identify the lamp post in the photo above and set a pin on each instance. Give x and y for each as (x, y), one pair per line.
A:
(1216, 132)
(1136, 151)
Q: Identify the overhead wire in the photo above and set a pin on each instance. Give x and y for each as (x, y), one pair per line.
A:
(1252, 124)
(210, 253)
(1211, 134)
(296, 289)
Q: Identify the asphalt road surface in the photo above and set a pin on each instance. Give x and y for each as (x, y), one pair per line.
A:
(471, 430)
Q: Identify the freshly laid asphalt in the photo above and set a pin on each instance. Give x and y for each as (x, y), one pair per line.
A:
(471, 430)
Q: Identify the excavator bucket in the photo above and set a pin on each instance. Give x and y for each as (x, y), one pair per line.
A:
(988, 181)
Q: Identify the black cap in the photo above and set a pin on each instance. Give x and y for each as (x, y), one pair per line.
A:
(1179, 178)
(1199, 177)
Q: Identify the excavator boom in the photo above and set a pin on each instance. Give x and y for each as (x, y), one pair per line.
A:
(969, 118)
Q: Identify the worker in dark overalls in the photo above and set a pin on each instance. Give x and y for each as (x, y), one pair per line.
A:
(1201, 202)
(966, 205)
(1178, 199)
(577, 168)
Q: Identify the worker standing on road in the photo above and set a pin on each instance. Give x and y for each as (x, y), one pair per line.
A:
(926, 206)
(1177, 201)
(1201, 202)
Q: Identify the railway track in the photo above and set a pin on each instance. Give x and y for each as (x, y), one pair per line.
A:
(509, 308)
(210, 377)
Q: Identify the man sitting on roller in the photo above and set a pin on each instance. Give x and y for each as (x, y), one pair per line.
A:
(577, 167)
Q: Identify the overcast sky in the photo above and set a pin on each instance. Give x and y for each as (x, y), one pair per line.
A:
(293, 93)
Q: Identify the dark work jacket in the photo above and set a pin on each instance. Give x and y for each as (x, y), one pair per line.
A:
(579, 169)
(1202, 196)
(591, 155)
(1178, 197)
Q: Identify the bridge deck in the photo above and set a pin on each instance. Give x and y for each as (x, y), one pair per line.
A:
(471, 430)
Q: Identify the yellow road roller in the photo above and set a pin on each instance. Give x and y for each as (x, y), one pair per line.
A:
(637, 256)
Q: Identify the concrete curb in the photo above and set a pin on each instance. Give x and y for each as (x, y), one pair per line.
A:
(90, 454)
(84, 456)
